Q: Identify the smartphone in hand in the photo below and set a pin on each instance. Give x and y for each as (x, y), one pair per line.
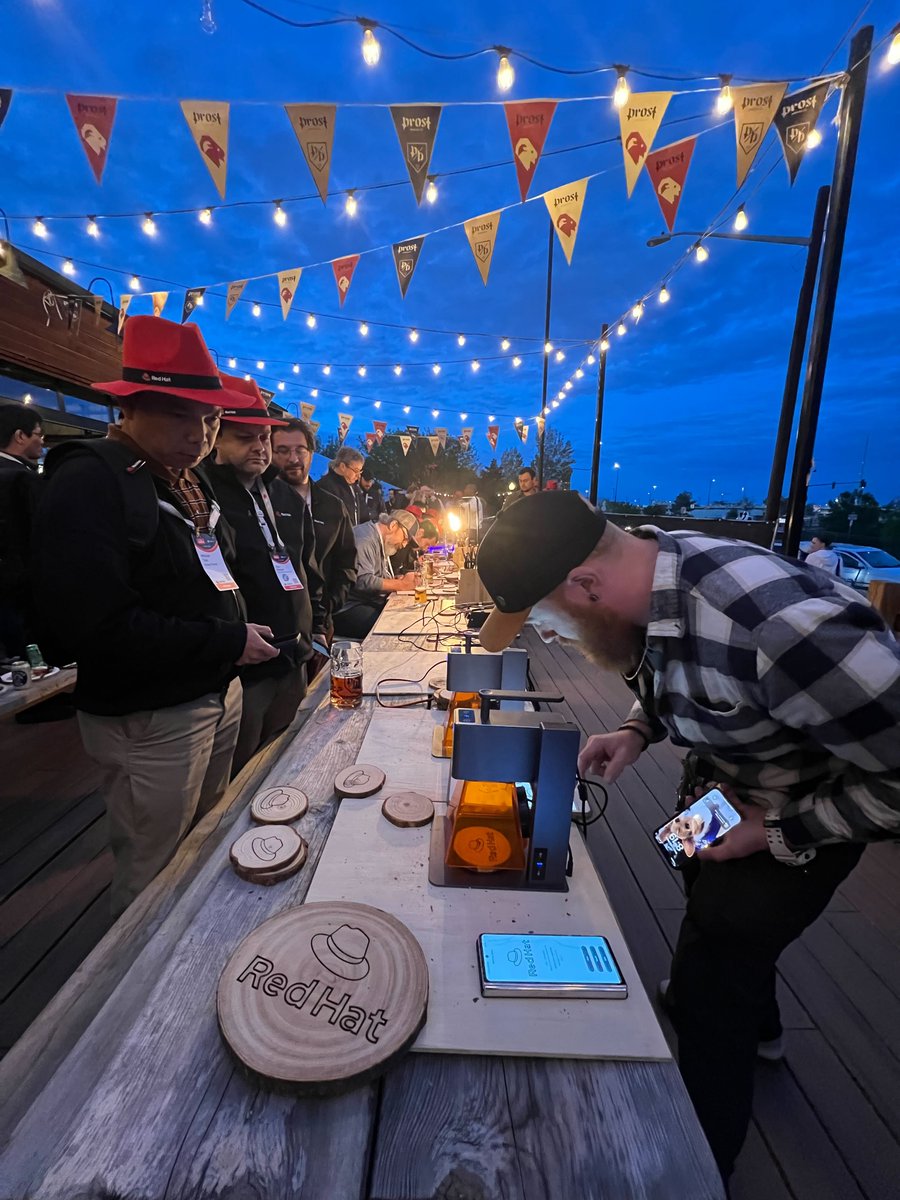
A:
(702, 824)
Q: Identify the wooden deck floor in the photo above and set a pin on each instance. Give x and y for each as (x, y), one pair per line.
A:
(827, 1120)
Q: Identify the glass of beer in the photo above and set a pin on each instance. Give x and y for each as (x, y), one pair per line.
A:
(421, 590)
(346, 674)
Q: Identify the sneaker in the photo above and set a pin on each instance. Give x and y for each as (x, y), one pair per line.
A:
(771, 1050)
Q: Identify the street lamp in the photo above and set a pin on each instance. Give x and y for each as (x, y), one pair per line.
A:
(616, 467)
(731, 237)
(709, 492)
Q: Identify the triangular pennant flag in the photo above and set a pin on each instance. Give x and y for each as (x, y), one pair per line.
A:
(412, 430)
(93, 117)
(315, 426)
(441, 435)
(233, 295)
(540, 422)
(124, 302)
(795, 119)
(9, 265)
(529, 124)
(380, 428)
(754, 111)
(345, 420)
(639, 119)
(435, 444)
(482, 235)
(159, 302)
(667, 169)
(343, 274)
(465, 437)
(288, 282)
(564, 206)
(193, 298)
(522, 431)
(5, 102)
(405, 443)
(314, 126)
(406, 255)
(416, 126)
(371, 442)
(208, 122)
(307, 410)
(493, 434)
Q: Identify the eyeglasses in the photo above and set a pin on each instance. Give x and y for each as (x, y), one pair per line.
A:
(291, 451)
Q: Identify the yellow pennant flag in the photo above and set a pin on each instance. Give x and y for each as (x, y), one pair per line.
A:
(405, 442)
(124, 301)
(482, 234)
(564, 206)
(540, 422)
(288, 282)
(208, 122)
(434, 443)
(754, 110)
(314, 126)
(315, 426)
(639, 120)
(233, 295)
(159, 302)
(306, 411)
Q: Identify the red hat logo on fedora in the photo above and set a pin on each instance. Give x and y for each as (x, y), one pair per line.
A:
(164, 358)
(254, 411)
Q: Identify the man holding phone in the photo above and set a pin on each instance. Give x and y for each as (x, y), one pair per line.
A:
(785, 687)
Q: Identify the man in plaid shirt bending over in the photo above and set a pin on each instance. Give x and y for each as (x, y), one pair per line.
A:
(783, 684)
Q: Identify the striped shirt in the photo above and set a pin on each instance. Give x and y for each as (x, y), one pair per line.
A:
(781, 677)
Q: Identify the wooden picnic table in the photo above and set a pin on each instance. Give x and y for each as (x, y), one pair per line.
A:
(16, 700)
(124, 1087)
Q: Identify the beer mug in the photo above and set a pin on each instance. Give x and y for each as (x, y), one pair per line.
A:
(421, 590)
(346, 674)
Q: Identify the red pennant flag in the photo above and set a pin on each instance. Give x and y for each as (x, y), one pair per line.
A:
(371, 442)
(493, 433)
(529, 124)
(380, 428)
(343, 274)
(667, 169)
(93, 117)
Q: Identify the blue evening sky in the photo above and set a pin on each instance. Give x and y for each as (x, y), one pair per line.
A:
(693, 392)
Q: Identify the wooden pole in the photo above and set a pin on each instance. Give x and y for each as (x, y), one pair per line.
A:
(598, 420)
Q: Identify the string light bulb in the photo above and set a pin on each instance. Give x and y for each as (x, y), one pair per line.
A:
(638, 311)
(725, 99)
(560, 356)
(371, 47)
(311, 320)
(205, 216)
(378, 404)
(568, 385)
(279, 216)
(548, 347)
(281, 385)
(556, 403)
(68, 267)
(740, 219)
(398, 370)
(257, 310)
(590, 360)
(364, 329)
(436, 369)
(620, 329)
(39, 229)
(296, 368)
(664, 295)
(326, 370)
(461, 340)
(246, 379)
(232, 363)
(893, 55)
(700, 252)
(148, 225)
(314, 392)
(260, 366)
(464, 416)
(345, 399)
(504, 345)
(476, 365)
(351, 204)
(560, 396)
(506, 76)
(406, 409)
(431, 192)
(134, 283)
(604, 345)
(622, 92)
(814, 139)
(579, 374)
(435, 412)
(517, 362)
(93, 229)
(361, 372)
(414, 335)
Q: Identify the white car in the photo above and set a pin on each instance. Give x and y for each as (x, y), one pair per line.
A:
(861, 564)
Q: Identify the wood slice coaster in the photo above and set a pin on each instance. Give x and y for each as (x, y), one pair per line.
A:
(324, 996)
(279, 805)
(358, 781)
(275, 876)
(266, 849)
(409, 810)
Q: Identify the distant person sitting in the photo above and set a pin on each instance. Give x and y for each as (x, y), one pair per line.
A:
(376, 541)
(371, 501)
(403, 561)
(821, 555)
(341, 478)
(528, 486)
(21, 446)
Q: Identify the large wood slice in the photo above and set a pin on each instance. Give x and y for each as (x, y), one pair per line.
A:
(275, 876)
(324, 996)
(266, 849)
(358, 781)
(409, 810)
(278, 805)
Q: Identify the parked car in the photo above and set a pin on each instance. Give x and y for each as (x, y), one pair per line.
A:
(861, 564)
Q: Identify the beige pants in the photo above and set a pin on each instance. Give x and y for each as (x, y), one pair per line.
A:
(165, 769)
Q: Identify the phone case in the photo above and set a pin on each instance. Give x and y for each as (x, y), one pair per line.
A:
(615, 989)
(701, 824)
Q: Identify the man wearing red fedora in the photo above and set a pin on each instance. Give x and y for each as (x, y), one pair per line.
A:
(133, 566)
(276, 566)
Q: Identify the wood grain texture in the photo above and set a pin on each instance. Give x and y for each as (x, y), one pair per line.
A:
(358, 781)
(265, 849)
(268, 878)
(408, 810)
(279, 805)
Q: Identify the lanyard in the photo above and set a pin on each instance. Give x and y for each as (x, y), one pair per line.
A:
(214, 514)
(263, 524)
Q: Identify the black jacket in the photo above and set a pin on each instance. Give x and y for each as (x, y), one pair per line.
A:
(292, 616)
(335, 546)
(20, 486)
(118, 580)
(348, 495)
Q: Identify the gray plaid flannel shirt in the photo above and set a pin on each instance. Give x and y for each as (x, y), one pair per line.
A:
(781, 677)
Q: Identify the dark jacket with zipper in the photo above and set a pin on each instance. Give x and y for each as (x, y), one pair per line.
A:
(335, 546)
(348, 495)
(292, 616)
(118, 581)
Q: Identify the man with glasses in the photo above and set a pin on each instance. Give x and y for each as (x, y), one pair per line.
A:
(293, 446)
(21, 447)
(341, 478)
(376, 541)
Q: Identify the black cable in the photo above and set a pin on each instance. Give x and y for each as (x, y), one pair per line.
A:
(581, 819)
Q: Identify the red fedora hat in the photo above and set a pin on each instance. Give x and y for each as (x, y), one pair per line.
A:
(160, 356)
(254, 411)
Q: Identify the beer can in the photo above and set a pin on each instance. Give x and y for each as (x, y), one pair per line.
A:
(21, 673)
(34, 656)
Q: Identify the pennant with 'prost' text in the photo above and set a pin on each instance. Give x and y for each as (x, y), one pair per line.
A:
(416, 126)
(465, 437)
(124, 302)
(233, 295)
(639, 120)
(288, 282)
(795, 119)
(435, 444)
(5, 102)
(667, 169)
(314, 126)
(406, 256)
(482, 235)
(371, 441)
(405, 443)
(493, 435)
(345, 420)
(306, 411)
(159, 302)
(441, 435)
(412, 430)
(564, 206)
(540, 422)
(208, 123)
(522, 431)
(529, 124)
(754, 110)
(380, 428)
(93, 117)
(343, 274)
(193, 298)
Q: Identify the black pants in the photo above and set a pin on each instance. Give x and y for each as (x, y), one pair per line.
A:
(740, 915)
(357, 621)
(270, 704)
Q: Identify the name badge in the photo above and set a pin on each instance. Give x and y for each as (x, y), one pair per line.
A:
(285, 573)
(209, 553)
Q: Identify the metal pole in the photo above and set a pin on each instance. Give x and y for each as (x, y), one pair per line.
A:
(832, 251)
(546, 355)
(598, 420)
(795, 358)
